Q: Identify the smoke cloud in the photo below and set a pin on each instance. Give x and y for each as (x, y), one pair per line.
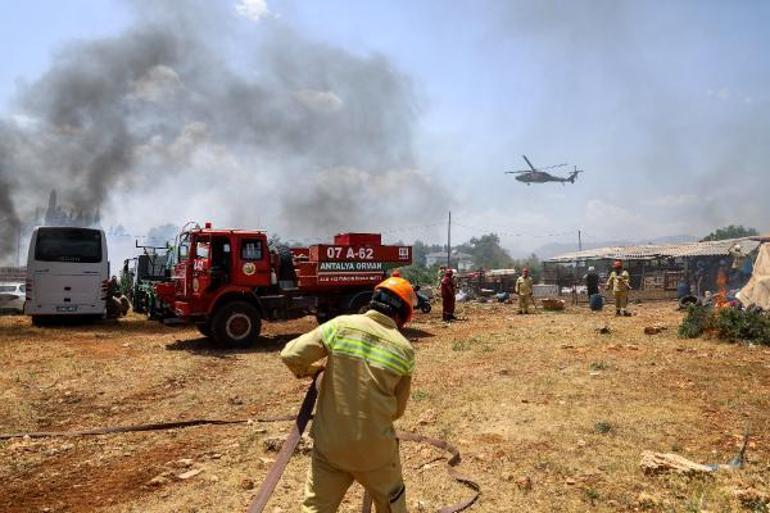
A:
(167, 120)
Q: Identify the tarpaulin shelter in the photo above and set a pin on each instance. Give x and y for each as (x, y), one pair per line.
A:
(757, 290)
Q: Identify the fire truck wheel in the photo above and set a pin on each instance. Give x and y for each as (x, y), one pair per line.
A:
(204, 329)
(325, 315)
(236, 323)
(360, 303)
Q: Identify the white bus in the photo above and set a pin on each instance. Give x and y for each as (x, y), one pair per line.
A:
(67, 273)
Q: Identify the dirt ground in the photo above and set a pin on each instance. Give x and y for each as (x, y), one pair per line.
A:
(549, 415)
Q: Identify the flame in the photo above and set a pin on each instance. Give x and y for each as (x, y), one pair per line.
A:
(720, 298)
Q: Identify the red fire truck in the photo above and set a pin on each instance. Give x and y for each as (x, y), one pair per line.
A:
(227, 281)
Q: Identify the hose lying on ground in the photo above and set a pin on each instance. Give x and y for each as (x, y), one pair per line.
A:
(158, 426)
(272, 479)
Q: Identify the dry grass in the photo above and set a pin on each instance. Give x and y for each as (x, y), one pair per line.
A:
(542, 396)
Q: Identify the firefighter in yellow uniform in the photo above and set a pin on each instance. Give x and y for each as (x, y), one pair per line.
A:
(365, 387)
(619, 283)
(523, 289)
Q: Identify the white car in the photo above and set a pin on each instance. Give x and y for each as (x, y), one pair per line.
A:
(12, 296)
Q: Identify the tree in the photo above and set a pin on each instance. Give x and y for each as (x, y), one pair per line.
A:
(487, 252)
(533, 263)
(730, 232)
(419, 275)
(420, 249)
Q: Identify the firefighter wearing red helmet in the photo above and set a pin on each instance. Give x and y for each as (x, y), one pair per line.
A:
(448, 291)
(365, 387)
(523, 289)
(619, 283)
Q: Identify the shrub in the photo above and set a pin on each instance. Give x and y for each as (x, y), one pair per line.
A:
(603, 427)
(732, 324)
(696, 321)
(727, 323)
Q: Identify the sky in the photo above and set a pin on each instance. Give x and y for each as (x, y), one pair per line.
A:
(309, 118)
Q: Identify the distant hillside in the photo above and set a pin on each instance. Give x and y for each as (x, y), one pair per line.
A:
(559, 248)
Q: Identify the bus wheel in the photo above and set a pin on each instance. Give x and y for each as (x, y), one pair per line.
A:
(236, 323)
(39, 320)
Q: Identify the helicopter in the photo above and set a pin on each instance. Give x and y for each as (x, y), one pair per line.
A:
(534, 175)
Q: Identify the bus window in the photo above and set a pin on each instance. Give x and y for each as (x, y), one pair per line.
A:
(79, 245)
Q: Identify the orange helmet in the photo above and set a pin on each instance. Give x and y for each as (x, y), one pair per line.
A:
(617, 264)
(403, 290)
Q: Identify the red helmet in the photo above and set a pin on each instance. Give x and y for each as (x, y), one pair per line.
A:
(617, 264)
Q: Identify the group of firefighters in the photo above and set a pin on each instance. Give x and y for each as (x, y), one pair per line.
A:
(448, 290)
(619, 283)
(363, 365)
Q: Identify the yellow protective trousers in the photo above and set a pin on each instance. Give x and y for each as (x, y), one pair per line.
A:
(621, 300)
(326, 486)
(524, 302)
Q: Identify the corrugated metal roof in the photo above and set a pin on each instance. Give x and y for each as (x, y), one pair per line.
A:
(501, 272)
(652, 251)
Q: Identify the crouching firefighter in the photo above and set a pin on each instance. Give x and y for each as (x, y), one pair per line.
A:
(365, 387)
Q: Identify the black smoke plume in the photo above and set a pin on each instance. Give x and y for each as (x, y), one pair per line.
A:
(316, 135)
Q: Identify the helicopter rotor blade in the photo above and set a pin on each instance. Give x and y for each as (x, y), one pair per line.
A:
(529, 163)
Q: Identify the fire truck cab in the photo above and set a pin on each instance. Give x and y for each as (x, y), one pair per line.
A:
(228, 281)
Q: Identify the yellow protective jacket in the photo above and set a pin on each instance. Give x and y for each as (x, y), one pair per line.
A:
(365, 387)
(619, 283)
(523, 286)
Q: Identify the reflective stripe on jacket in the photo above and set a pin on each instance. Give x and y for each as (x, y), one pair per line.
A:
(619, 283)
(365, 386)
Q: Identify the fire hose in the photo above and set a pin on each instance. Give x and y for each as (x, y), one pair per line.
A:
(304, 416)
(287, 449)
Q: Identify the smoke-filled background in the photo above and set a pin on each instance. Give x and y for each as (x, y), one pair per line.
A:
(307, 118)
(164, 121)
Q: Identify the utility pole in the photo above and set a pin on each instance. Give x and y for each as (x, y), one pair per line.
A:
(449, 242)
(18, 245)
(575, 274)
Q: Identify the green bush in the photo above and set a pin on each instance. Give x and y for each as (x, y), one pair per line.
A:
(732, 324)
(696, 321)
(727, 323)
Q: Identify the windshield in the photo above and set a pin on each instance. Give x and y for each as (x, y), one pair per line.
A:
(7, 288)
(80, 245)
